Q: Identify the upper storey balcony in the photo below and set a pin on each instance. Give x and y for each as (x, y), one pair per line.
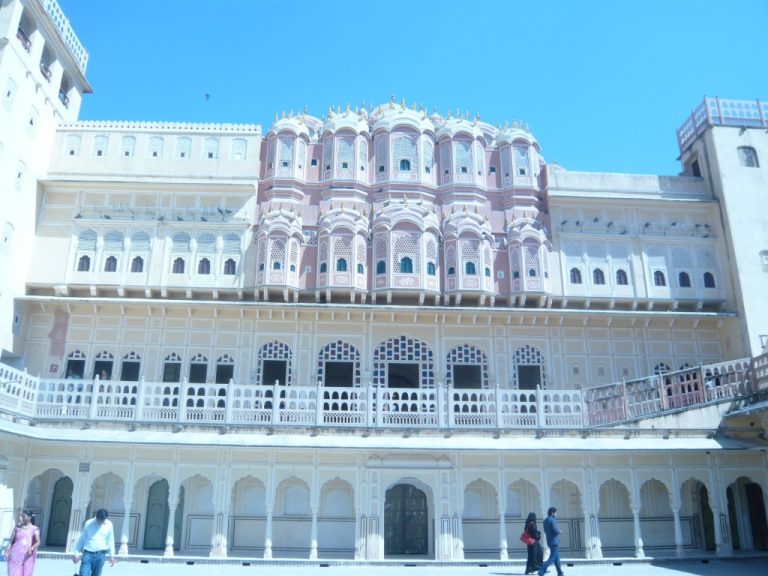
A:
(722, 112)
(243, 407)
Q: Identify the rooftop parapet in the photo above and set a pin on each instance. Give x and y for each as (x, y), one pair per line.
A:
(721, 112)
(61, 22)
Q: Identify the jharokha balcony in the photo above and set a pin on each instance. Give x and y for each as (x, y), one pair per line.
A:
(243, 407)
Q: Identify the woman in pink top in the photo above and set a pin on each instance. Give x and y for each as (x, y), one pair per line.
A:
(22, 549)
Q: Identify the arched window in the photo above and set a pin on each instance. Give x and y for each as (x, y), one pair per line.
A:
(239, 149)
(451, 270)
(137, 264)
(292, 268)
(516, 274)
(178, 266)
(183, 147)
(84, 264)
(709, 280)
(406, 265)
(748, 157)
(230, 267)
(431, 270)
(469, 269)
(598, 277)
(621, 278)
(659, 279)
(405, 165)
(684, 280)
(341, 265)
(575, 276)
(127, 146)
(323, 268)
(277, 265)
(110, 264)
(211, 148)
(381, 267)
(204, 266)
(532, 272)
(360, 269)
(156, 147)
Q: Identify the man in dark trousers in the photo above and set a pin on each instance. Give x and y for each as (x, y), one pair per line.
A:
(553, 541)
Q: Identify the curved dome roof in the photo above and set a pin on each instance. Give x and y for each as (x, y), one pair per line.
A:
(354, 120)
(510, 134)
(295, 124)
(388, 116)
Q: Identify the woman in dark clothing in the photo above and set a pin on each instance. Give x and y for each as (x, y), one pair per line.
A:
(534, 550)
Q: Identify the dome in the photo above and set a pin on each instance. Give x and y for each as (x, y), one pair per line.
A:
(391, 115)
(298, 125)
(353, 120)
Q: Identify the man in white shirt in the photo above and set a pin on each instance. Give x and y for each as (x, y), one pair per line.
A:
(97, 540)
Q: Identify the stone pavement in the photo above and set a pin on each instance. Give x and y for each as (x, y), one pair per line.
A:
(734, 566)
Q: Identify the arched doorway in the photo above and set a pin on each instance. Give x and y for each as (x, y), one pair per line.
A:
(746, 515)
(61, 507)
(158, 514)
(406, 521)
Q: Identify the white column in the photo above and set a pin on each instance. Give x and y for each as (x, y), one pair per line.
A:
(173, 498)
(639, 552)
(268, 533)
(123, 551)
(678, 531)
(503, 553)
(313, 536)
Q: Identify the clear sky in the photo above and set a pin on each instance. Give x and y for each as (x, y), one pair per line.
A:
(603, 84)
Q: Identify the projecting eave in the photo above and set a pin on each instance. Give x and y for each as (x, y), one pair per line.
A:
(562, 183)
(521, 441)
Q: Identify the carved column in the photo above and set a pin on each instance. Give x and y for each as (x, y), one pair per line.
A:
(678, 531)
(127, 503)
(268, 532)
(313, 535)
(639, 552)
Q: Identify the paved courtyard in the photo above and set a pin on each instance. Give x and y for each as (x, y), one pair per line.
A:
(752, 566)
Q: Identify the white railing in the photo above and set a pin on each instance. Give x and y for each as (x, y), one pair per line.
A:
(249, 405)
(56, 14)
(722, 112)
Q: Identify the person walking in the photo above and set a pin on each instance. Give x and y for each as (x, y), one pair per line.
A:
(22, 548)
(534, 550)
(552, 532)
(97, 540)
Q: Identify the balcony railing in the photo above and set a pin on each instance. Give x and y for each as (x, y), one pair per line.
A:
(248, 405)
(722, 112)
(45, 70)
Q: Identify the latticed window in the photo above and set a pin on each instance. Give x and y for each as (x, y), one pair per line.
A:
(361, 254)
(415, 362)
(342, 250)
(362, 153)
(128, 146)
(270, 157)
(431, 257)
(323, 255)
(479, 159)
(211, 148)
(531, 252)
(156, 147)
(450, 260)
(87, 241)
(521, 161)
(404, 154)
(239, 149)
(381, 159)
(294, 256)
(100, 145)
(428, 154)
(285, 155)
(487, 262)
(206, 244)
(463, 158)
(301, 155)
(327, 157)
(113, 242)
(345, 156)
(339, 351)
(528, 369)
(231, 244)
(505, 165)
(277, 254)
(514, 259)
(73, 145)
(262, 254)
(274, 359)
(470, 254)
(181, 243)
(467, 367)
(407, 248)
(380, 254)
(183, 147)
(445, 161)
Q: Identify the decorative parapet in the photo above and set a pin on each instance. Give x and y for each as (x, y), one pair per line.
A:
(128, 126)
(721, 112)
(61, 22)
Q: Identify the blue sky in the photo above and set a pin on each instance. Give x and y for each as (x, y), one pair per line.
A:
(603, 84)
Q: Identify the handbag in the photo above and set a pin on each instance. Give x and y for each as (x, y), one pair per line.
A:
(526, 538)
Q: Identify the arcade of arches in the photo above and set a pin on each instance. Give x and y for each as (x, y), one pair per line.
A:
(263, 503)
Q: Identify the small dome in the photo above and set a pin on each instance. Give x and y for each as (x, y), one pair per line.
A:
(516, 133)
(388, 116)
(348, 119)
(452, 126)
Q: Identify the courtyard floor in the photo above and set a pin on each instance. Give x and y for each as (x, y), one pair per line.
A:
(731, 566)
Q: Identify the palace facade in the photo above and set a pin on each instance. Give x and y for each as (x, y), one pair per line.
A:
(380, 333)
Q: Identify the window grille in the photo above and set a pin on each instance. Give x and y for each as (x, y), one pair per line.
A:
(239, 149)
(181, 243)
(183, 147)
(528, 356)
(467, 354)
(327, 157)
(87, 240)
(100, 145)
(407, 245)
(403, 349)
(206, 244)
(156, 147)
(285, 155)
(113, 242)
(277, 254)
(274, 351)
(231, 244)
(73, 145)
(463, 157)
(345, 157)
(211, 148)
(128, 146)
(339, 351)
